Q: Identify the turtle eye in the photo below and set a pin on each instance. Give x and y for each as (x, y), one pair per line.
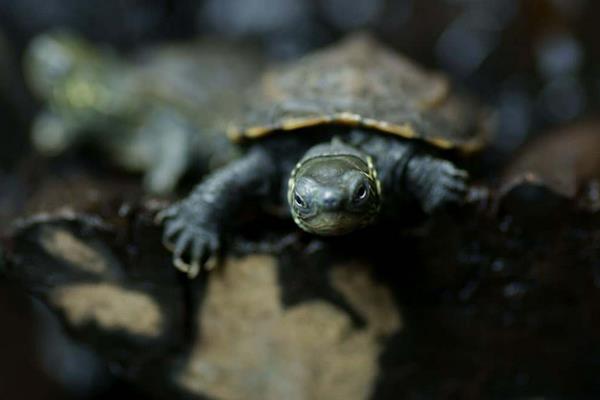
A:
(299, 201)
(361, 193)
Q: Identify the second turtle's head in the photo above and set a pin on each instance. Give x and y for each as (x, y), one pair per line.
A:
(53, 59)
(334, 194)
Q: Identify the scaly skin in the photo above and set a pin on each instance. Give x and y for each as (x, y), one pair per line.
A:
(196, 227)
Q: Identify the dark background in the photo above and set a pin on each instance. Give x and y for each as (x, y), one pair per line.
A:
(536, 61)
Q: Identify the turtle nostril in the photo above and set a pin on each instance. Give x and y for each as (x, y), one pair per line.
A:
(331, 201)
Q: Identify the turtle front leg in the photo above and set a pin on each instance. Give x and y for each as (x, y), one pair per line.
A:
(195, 226)
(169, 139)
(435, 182)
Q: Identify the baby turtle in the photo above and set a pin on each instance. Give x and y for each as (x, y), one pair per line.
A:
(153, 112)
(339, 137)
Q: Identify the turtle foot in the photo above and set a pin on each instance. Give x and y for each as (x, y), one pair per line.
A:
(190, 237)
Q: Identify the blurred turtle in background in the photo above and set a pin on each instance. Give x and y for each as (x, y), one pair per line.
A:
(154, 113)
(337, 139)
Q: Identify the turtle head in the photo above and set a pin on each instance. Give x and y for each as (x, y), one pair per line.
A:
(52, 59)
(334, 194)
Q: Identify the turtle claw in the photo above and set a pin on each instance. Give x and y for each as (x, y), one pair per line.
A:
(191, 269)
(172, 228)
(165, 213)
(211, 263)
(452, 185)
(190, 240)
(457, 185)
(458, 173)
(168, 244)
(440, 184)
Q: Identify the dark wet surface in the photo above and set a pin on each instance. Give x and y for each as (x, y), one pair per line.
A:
(495, 303)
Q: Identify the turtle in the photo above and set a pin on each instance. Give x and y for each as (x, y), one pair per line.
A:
(336, 140)
(155, 111)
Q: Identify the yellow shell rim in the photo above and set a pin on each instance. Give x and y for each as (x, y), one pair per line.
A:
(405, 130)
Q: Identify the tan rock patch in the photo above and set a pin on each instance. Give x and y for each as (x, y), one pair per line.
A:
(252, 348)
(62, 244)
(110, 307)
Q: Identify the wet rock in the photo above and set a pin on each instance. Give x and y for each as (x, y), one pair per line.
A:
(20, 358)
(251, 346)
(133, 310)
(466, 298)
(471, 306)
(558, 167)
(92, 255)
(67, 260)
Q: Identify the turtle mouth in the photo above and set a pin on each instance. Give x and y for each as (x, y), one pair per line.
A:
(333, 223)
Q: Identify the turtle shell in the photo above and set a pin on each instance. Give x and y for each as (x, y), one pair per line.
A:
(359, 82)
